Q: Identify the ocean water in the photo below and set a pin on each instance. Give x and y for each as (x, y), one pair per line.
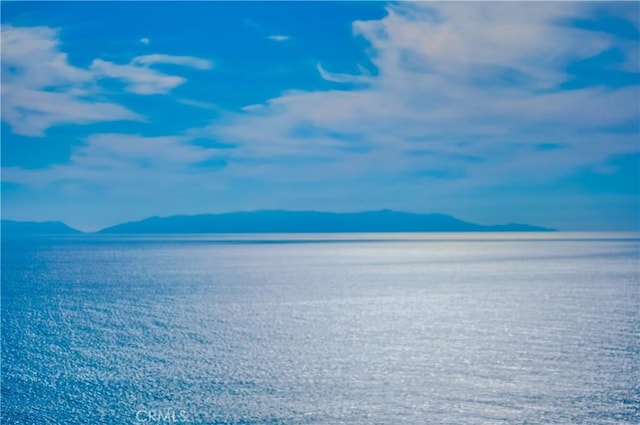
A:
(321, 329)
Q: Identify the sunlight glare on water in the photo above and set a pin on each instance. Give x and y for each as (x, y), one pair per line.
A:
(321, 329)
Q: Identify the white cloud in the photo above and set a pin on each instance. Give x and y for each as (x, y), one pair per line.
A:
(197, 104)
(470, 87)
(23, 48)
(163, 152)
(254, 107)
(31, 111)
(189, 61)
(139, 79)
(120, 159)
(279, 37)
(41, 89)
(481, 40)
(145, 40)
(344, 78)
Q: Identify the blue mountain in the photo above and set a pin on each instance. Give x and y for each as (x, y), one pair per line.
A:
(10, 227)
(311, 222)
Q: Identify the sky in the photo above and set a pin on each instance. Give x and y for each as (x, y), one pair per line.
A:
(493, 112)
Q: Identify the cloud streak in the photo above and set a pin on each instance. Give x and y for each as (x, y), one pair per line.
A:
(475, 86)
(279, 37)
(41, 89)
(141, 78)
(190, 61)
(119, 159)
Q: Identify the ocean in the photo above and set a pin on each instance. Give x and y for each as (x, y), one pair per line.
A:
(442, 328)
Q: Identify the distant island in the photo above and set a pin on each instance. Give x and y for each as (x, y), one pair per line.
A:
(311, 222)
(282, 222)
(11, 227)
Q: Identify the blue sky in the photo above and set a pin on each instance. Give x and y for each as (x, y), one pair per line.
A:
(491, 112)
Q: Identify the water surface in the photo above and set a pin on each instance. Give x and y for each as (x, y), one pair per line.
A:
(321, 329)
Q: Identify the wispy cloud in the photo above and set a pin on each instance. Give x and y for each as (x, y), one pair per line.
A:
(41, 89)
(253, 107)
(197, 104)
(476, 86)
(119, 159)
(141, 79)
(109, 169)
(31, 111)
(279, 37)
(344, 78)
(189, 61)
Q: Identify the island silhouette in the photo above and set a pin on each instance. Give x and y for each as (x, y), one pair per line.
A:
(280, 221)
(12, 227)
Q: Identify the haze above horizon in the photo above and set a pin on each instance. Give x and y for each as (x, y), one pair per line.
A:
(493, 112)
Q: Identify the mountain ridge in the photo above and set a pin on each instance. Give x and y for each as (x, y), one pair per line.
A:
(13, 227)
(279, 221)
(283, 221)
